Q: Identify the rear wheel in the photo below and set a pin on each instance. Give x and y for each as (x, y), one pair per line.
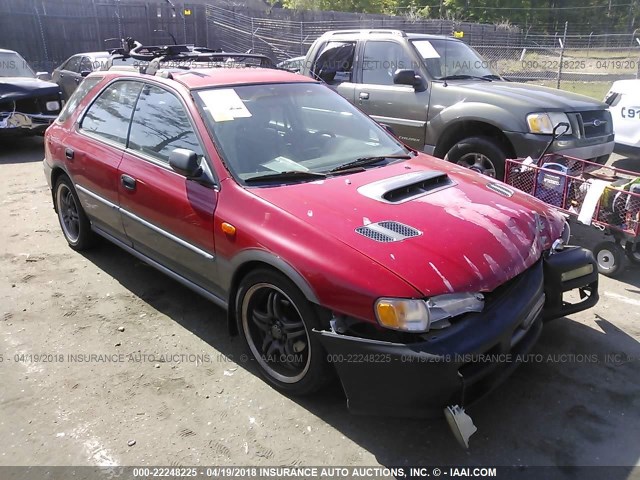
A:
(75, 225)
(610, 258)
(480, 154)
(276, 321)
(633, 253)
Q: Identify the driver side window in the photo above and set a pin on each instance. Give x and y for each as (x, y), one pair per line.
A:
(381, 60)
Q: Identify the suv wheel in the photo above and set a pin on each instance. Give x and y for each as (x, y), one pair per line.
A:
(480, 154)
(75, 225)
(276, 321)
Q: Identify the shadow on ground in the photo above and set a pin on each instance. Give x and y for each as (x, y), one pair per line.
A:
(576, 402)
(21, 150)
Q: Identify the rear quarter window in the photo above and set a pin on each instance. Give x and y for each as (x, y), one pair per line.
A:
(76, 98)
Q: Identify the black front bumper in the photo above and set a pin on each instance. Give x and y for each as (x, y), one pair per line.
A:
(464, 362)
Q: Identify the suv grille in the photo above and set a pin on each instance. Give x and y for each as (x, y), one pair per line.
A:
(388, 231)
(595, 123)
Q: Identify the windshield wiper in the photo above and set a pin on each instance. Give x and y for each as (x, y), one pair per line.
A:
(287, 176)
(361, 162)
(466, 77)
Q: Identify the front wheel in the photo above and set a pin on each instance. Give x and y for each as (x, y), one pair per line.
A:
(276, 321)
(480, 154)
(610, 258)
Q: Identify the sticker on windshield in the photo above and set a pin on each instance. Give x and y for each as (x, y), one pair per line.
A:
(426, 49)
(224, 104)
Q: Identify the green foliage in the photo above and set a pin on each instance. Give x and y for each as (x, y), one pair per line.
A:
(599, 16)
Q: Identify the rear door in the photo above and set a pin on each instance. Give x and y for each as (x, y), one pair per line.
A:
(94, 156)
(167, 217)
(399, 106)
(68, 75)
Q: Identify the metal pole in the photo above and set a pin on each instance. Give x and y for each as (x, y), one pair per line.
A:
(253, 42)
(301, 40)
(562, 44)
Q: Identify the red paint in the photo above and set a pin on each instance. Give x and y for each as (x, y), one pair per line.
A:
(311, 226)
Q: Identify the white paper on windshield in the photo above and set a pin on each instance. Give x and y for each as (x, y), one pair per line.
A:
(426, 49)
(283, 164)
(224, 104)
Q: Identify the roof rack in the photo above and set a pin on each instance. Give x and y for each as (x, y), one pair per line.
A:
(184, 53)
(366, 31)
(184, 56)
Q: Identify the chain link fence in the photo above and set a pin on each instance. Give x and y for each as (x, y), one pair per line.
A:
(510, 51)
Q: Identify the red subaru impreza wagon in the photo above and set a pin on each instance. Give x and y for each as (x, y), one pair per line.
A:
(335, 249)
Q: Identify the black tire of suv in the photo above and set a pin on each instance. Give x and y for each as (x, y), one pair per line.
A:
(479, 145)
(257, 288)
(84, 238)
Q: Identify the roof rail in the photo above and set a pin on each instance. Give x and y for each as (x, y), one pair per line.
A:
(366, 31)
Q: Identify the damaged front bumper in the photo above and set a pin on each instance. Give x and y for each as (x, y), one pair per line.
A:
(460, 364)
(17, 124)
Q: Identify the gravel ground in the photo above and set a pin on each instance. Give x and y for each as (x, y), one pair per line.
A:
(134, 404)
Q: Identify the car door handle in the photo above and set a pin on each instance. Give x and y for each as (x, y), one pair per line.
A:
(77, 80)
(68, 153)
(128, 182)
(364, 96)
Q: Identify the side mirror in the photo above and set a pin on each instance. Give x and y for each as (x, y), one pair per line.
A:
(409, 77)
(84, 73)
(46, 76)
(185, 162)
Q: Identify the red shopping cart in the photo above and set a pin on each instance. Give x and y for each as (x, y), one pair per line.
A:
(605, 197)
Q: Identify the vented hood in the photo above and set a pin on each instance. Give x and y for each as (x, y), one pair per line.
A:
(441, 227)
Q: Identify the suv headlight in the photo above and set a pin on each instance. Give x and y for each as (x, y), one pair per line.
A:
(418, 315)
(544, 122)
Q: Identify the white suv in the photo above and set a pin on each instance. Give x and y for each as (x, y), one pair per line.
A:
(624, 101)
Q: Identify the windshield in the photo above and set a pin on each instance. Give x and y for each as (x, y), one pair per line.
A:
(264, 130)
(446, 58)
(13, 65)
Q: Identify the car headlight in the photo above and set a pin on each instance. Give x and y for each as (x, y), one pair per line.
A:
(418, 315)
(53, 106)
(544, 122)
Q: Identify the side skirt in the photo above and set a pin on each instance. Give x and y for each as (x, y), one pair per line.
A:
(170, 273)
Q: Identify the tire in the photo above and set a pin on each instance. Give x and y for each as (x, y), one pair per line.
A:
(610, 258)
(275, 320)
(74, 223)
(480, 154)
(633, 253)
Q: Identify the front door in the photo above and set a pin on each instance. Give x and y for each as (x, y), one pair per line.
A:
(398, 106)
(168, 217)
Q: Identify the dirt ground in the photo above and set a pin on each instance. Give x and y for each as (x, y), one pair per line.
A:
(178, 386)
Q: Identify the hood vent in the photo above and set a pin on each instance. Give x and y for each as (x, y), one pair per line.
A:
(388, 231)
(403, 188)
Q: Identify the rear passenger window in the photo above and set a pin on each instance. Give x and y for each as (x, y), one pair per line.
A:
(72, 65)
(160, 125)
(334, 64)
(109, 116)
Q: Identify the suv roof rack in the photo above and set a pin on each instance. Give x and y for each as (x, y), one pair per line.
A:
(367, 31)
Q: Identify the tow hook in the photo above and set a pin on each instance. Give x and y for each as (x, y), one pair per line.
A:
(461, 424)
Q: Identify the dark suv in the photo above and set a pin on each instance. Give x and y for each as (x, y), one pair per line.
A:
(441, 97)
(28, 105)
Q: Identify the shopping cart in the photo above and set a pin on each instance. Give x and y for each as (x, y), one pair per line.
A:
(605, 197)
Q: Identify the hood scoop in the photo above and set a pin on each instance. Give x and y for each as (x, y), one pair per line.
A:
(388, 231)
(402, 188)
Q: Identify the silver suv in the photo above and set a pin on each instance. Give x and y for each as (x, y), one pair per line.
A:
(440, 96)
